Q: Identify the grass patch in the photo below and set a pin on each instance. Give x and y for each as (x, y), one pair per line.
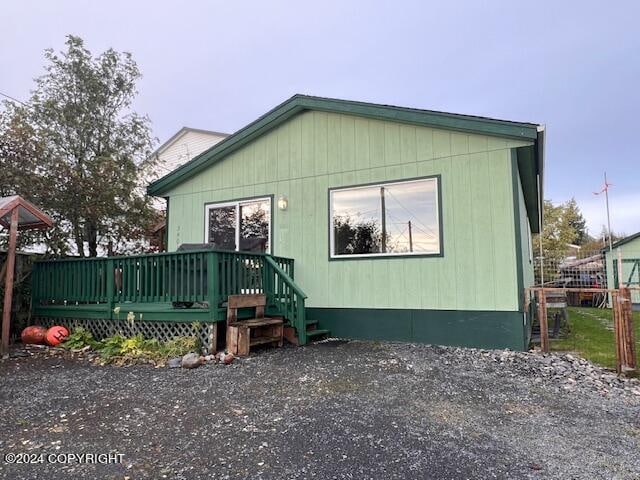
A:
(590, 334)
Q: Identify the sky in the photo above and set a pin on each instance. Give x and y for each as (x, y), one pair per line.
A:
(573, 66)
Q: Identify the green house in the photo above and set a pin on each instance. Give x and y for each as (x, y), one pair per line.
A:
(626, 253)
(404, 224)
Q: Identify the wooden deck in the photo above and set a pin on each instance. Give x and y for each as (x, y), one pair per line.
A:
(158, 311)
(152, 285)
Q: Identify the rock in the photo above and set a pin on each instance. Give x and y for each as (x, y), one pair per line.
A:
(175, 362)
(191, 360)
(228, 359)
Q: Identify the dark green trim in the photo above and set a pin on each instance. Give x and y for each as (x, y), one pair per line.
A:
(529, 181)
(465, 328)
(270, 196)
(166, 226)
(150, 312)
(438, 177)
(72, 311)
(539, 149)
(515, 182)
(300, 103)
(623, 241)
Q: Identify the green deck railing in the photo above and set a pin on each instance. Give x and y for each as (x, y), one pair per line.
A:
(205, 276)
(287, 296)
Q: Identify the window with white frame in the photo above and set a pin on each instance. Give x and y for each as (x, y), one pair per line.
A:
(243, 225)
(385, 219)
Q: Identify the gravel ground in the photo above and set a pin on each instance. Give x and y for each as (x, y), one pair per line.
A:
(330, 410)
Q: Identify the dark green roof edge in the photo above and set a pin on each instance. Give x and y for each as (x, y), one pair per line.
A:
(623, 241)
(299, 103)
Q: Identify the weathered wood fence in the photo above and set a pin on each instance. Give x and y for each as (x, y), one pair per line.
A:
(622, 321)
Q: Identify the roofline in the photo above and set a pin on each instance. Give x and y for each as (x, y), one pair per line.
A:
(622, 241)
(44, 221)
(181, 132)
(299, 103)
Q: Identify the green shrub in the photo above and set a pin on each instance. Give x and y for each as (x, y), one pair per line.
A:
(133, 347)
(79, 339)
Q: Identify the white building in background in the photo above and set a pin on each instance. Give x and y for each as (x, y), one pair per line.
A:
(185, 144)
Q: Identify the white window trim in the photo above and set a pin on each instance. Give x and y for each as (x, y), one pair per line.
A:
(332, 254)
(237, 204)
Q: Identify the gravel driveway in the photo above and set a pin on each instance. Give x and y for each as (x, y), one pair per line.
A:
(330, 410)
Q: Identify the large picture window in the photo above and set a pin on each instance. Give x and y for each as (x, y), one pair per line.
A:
(243, 225)
(386, 219)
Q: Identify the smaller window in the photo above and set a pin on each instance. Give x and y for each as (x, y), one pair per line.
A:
(387, 219)
(241, 225)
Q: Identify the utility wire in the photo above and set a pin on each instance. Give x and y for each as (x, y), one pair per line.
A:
(13, 99)
(409, 212)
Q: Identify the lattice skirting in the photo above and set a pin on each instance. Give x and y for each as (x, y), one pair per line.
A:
(162, 331)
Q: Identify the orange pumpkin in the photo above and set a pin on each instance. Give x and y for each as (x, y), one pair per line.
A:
(34, 334)
(56, 335)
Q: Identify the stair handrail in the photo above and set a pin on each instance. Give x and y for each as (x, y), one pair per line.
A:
(299, 321)
(288, 280)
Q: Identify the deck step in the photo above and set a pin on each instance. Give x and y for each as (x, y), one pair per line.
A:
(260, 340)
(312, 322)
(317, 333)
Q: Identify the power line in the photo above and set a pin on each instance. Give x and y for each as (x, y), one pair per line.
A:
(432, 235)
(410, 213)
(15, 100)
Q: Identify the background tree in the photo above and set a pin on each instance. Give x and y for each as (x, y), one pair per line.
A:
(86, 150)
(353, 237)
(601, 241)
(573, 216)
(564, 225)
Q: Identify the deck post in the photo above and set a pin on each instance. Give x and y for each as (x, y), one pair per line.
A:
(542, 317)
(8, 282)
(212, 290)
(626, 337)
(110, 286)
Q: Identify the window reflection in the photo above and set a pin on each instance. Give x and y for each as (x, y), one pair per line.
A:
(254, 226)
(222, 227)
(392, 219)
(252, 230)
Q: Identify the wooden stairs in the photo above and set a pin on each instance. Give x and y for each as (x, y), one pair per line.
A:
(313, 332)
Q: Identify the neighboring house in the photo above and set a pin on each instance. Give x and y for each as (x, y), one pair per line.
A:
(184, 145)
(628, 251)
(404, 224)
(573, 251)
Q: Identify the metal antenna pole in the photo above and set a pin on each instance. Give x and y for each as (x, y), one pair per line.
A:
(606, 196)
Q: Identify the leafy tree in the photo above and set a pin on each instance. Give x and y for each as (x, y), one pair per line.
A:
(356, 237)
(594, 244)
(564, 224)
(557, 234)
(85, 151)
(255, 224)
(573, 217)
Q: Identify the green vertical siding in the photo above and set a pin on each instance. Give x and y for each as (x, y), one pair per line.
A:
(629, 250)
(314, 151)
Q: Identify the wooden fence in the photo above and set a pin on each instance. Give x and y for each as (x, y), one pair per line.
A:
(622, 321)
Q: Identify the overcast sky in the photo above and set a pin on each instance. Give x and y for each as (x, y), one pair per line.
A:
(574, 66)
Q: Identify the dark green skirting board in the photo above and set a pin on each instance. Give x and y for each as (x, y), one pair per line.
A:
(159, 311)
(464, 328)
